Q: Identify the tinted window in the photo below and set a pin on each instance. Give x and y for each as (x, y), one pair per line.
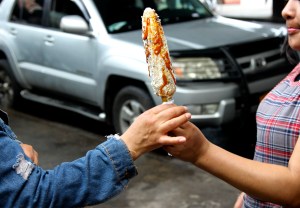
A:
(125, 15)
(61, 8)
(28, 12)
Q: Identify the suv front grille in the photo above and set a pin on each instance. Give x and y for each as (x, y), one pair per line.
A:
(257, 62)
(251, 60)
(261, 58)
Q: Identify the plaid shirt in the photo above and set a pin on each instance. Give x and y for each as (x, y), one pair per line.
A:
(278, 125)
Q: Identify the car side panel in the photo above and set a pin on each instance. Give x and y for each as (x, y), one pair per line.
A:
(74, 73)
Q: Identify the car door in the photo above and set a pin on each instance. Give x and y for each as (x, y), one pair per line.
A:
(25, 26)
(70, 58)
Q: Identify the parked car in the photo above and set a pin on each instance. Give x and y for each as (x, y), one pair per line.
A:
(87, 56)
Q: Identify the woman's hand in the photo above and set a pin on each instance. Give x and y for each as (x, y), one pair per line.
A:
(150, 130)
(195, 145)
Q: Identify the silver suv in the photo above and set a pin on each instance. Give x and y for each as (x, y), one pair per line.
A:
(87, 56)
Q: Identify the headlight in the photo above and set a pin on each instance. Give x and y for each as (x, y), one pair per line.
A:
(198, 68)
(203, 109)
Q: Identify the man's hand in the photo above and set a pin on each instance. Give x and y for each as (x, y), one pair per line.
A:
(30, 152)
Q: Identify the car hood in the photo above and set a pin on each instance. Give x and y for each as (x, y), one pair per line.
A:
(211, 32)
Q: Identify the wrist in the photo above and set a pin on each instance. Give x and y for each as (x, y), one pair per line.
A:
(202, 154)
(134, 155)
(130, 146)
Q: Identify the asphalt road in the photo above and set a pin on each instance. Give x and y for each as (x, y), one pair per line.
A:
(60, 136)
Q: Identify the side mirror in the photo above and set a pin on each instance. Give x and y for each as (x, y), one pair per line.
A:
(74, 24)
(210, 4)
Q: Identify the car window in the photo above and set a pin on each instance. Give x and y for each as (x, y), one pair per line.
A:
(28, 12)
(61, 8)
(125, 15)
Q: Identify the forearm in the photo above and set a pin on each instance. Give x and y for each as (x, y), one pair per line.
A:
(263, 181)
(100, 175)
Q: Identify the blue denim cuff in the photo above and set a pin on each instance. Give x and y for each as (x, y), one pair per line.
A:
(120, 157)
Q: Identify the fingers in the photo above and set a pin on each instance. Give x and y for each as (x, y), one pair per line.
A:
(166, 117)
(176, 122)
(180, 130)
(168, 140)
(170, 111)
(151, 129)
(184, 126)
(184, 130)
(170, 108)
(175, 150)
(172, 116)
(177, 135)
(159, 108)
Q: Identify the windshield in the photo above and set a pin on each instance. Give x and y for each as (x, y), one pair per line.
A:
(125, 15)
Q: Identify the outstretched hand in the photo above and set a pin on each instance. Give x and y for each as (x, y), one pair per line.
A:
(195, 144)
(150, 130)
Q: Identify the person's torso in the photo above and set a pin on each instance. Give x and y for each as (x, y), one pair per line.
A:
(278, 125)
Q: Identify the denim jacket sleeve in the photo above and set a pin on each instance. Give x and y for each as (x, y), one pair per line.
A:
(103, 173)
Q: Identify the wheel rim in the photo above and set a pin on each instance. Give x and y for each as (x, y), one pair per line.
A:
(128, 113)
(6, 90)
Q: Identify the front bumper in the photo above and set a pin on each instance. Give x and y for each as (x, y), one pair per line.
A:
(227, 97)
(225, 113)
(199, 95)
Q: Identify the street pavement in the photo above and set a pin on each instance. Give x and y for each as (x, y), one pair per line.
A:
(162, 182)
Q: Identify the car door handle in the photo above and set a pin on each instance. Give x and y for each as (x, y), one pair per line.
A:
(49, 40)
(13, 31)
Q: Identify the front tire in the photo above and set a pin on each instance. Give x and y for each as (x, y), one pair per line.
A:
(130, 102)
(9, 89)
